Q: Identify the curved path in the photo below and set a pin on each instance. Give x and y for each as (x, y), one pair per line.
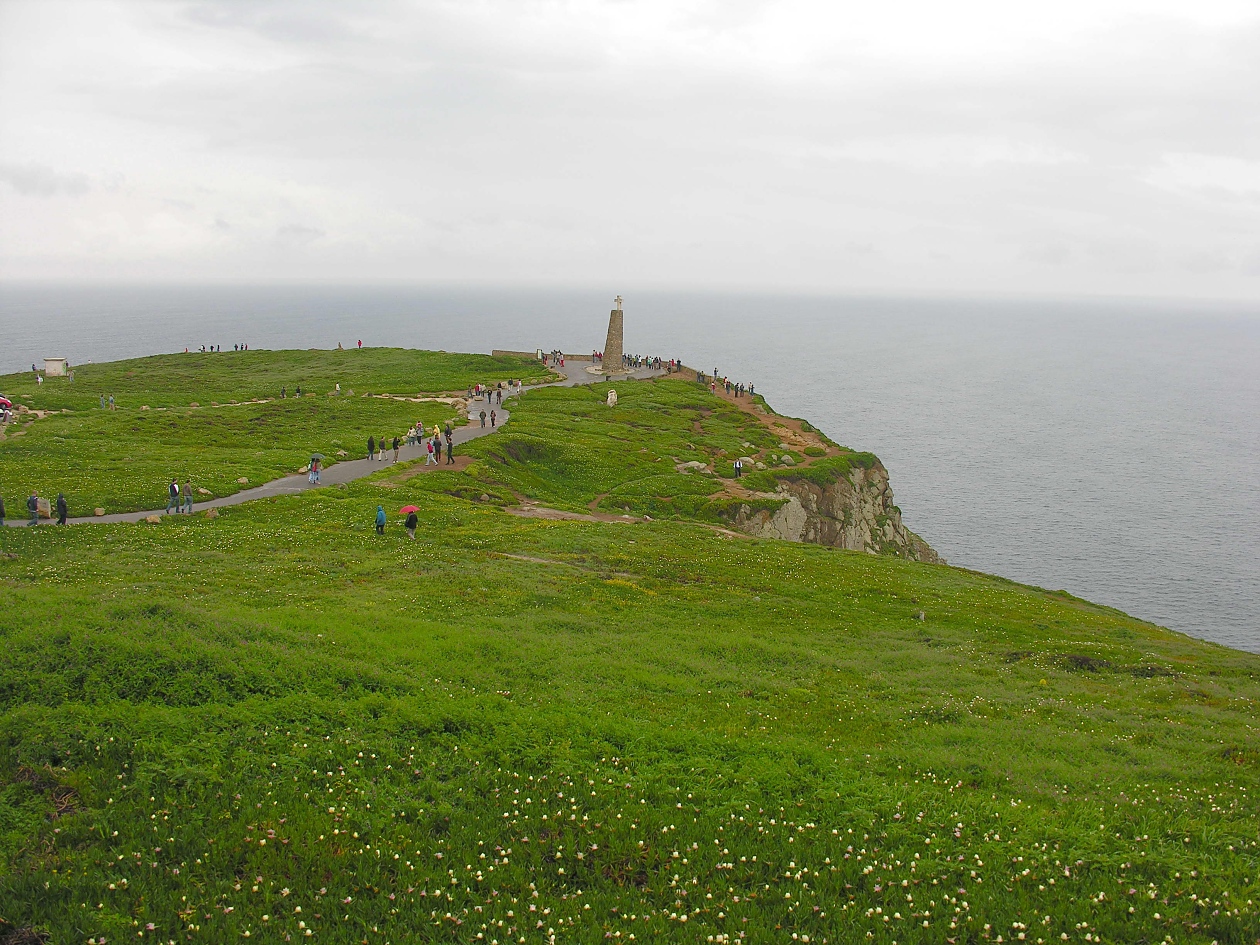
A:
(349, 470)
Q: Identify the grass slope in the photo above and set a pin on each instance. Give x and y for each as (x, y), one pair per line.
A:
(122, 460)
(278, 723)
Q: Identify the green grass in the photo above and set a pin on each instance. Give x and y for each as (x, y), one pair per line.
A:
(176, 380)
(123, 460)
(603, 728)
(566, 447)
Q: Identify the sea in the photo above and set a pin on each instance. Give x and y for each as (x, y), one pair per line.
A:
(1106, 447)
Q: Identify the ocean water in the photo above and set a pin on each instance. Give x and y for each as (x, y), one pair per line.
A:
(1108, 448)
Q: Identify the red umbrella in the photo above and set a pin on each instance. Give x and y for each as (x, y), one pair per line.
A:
(408, 508)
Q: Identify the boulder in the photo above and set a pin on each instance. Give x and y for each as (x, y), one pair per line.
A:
(242, 480)
(212, 513)
(787, 460)
(194, 404)
(153, 519)
(98, 512)
(45, 508)
(201, 491)
(144, 406)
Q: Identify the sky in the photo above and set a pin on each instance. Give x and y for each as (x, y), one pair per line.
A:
(1078, 147)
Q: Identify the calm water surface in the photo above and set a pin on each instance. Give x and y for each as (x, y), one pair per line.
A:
(1110, 449)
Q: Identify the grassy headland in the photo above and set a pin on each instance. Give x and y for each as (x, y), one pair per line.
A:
(279, 723)
(219, 417)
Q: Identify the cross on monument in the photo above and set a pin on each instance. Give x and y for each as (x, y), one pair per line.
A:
(618, 301)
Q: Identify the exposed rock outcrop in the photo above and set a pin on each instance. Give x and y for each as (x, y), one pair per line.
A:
(854, 511)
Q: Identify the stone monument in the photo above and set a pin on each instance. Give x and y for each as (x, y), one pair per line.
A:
(613, 347)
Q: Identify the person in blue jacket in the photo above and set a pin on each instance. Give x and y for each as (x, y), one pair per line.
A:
(380, 520)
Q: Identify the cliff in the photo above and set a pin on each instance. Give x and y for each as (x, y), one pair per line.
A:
(852, 507)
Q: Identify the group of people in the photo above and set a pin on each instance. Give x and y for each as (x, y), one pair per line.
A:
(732, 388)
(416, 436)
(636, 361)
(217, 348)
(177, 502)
(61, 507)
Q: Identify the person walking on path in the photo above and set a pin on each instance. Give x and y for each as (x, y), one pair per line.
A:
(483, 417)
(172, 501)
(1, 511)
(395, 449)
(410, 524)
(380, 520)
(430, 445)
(493, 418)
(188, 495)
(32, 506)
(371, 447)
(450, 452)
(62, 508)
(381, 448)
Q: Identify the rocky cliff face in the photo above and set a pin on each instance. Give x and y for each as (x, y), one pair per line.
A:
(855, 511)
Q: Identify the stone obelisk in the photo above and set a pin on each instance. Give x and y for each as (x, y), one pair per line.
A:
(613, 347)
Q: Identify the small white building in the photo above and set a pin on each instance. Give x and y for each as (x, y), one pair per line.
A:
(55, 367)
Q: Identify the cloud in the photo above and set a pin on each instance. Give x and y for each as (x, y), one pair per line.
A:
(1100, 146)
(295, 234)
(39, 180)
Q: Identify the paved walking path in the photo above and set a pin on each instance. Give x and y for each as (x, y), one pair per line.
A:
(350, 470)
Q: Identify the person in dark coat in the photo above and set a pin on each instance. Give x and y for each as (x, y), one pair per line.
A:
(32, 506)
(411, 524)
(1, 511)
(62, 509)
(371, 447)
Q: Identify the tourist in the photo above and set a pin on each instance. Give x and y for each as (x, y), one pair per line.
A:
(430, 446)
(395, 449)
(482, 415)
(314, 468)
(32, 506)
(111, 402)
(371, 448)
(450, 452)
(410, 525)
(283, 394)
(298, 392)
(380, 520)
(62, 508)
(1, 511)
(188, 494)
(102, 401)
(493, 418)
(360, 343)
(381, 447)
(172, 501)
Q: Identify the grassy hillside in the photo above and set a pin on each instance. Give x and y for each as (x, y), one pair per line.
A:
(278, 725)
(567, 448)
(196, 415)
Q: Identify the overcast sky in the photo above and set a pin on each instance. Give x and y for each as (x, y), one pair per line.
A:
(1076, 146)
